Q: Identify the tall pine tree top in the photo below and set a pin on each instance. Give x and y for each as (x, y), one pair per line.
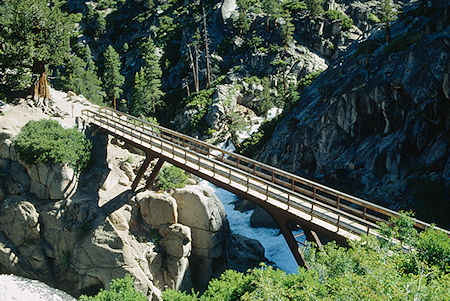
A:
(34, 34)
(112, 79)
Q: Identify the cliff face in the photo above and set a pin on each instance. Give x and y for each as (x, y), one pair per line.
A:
(376, 123)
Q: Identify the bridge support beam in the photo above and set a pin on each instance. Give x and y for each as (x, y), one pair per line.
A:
(154, 173)
(296, 248)
(148, 158)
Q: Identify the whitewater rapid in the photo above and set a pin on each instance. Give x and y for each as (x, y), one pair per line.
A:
(276, 248)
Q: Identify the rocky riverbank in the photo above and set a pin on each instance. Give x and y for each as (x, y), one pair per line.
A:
(76, 232)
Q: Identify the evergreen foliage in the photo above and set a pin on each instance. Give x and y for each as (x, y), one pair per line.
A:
(334, 14)
(112, 79)
(46, 141)
(80, 77)
(366, 270)
(33, 35)
(315, 8)
(147, 83)
(120, 289)
(171, 177)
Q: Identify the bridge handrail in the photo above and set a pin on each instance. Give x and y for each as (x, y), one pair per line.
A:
(292, 179)
(340, 224)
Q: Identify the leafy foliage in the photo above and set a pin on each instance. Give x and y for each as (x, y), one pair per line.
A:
(31, 31)
(256, 141)
(147, 83)
(334, 14)
(308, 79)
(47, 141)
(366, 270)
(120, 289)
(200, 101)
(80, 77)
(403, 42)
(314, 7)
(171, 177)
(112, 79)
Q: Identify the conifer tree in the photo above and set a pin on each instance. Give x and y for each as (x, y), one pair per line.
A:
(314, 7)
(34, 35)
(387, 13)
(147, 83)
(112, 79)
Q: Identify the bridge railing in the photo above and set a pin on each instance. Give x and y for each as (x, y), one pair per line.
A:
(322, 195)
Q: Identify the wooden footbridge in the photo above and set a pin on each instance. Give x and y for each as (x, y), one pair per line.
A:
(288, 198)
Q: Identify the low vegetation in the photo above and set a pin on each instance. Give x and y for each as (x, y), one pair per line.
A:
(120, 289)
(46, 141)
(371, 269)
(171, 177)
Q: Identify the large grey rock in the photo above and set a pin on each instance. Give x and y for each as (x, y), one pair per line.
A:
(20, 222)
(157, 208)
(199, 209)
(17, 180)
(126, 166)
(371, 121)
(260, 218)
(245, 253)
(227, 8)
(176, 240)
(225, 99)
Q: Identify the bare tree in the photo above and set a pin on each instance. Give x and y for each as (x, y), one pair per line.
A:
(205, 38)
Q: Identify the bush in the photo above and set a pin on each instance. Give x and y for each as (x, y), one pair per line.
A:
(120, 289)
(433, 247)
(403, 42)
(171, 177)
(46, 141)
(334, 14)
(308, 79)
(250, 146)
(366, 270)
(367, 47)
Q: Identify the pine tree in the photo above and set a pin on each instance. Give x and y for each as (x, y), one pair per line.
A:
(387, 13)
(147, 83)
(34, 35)
(112, 79)
(314, 7)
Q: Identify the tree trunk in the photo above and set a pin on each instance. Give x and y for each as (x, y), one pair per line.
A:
(205, 33)
(40, 86)
(388, 32)
(114, 102)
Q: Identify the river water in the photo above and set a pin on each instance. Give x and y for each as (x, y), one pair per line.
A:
(276, 248)
(15, 288)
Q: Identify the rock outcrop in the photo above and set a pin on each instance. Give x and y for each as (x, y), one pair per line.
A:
(376, 123)
(199, 209)
(46, 181)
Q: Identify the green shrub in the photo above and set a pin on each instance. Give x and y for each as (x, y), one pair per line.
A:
(367, 47)
(403, 42)
(366, 270)
(433, 247)
(256, 141)
(120, 289)
(308, 79)
(334, 15)
(171, 177)
(46, 141)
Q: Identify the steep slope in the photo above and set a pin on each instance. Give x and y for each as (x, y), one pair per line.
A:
(376, 123)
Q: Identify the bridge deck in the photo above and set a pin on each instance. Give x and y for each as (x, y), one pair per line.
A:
(327, 208)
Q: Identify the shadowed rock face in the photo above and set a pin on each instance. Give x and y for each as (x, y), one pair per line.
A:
(376, 125)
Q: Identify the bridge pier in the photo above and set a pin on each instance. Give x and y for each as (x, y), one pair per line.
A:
(154, 173)
(148, 158)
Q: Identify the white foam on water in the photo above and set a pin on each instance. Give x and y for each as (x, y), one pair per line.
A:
(276, 248)
(15, 288)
